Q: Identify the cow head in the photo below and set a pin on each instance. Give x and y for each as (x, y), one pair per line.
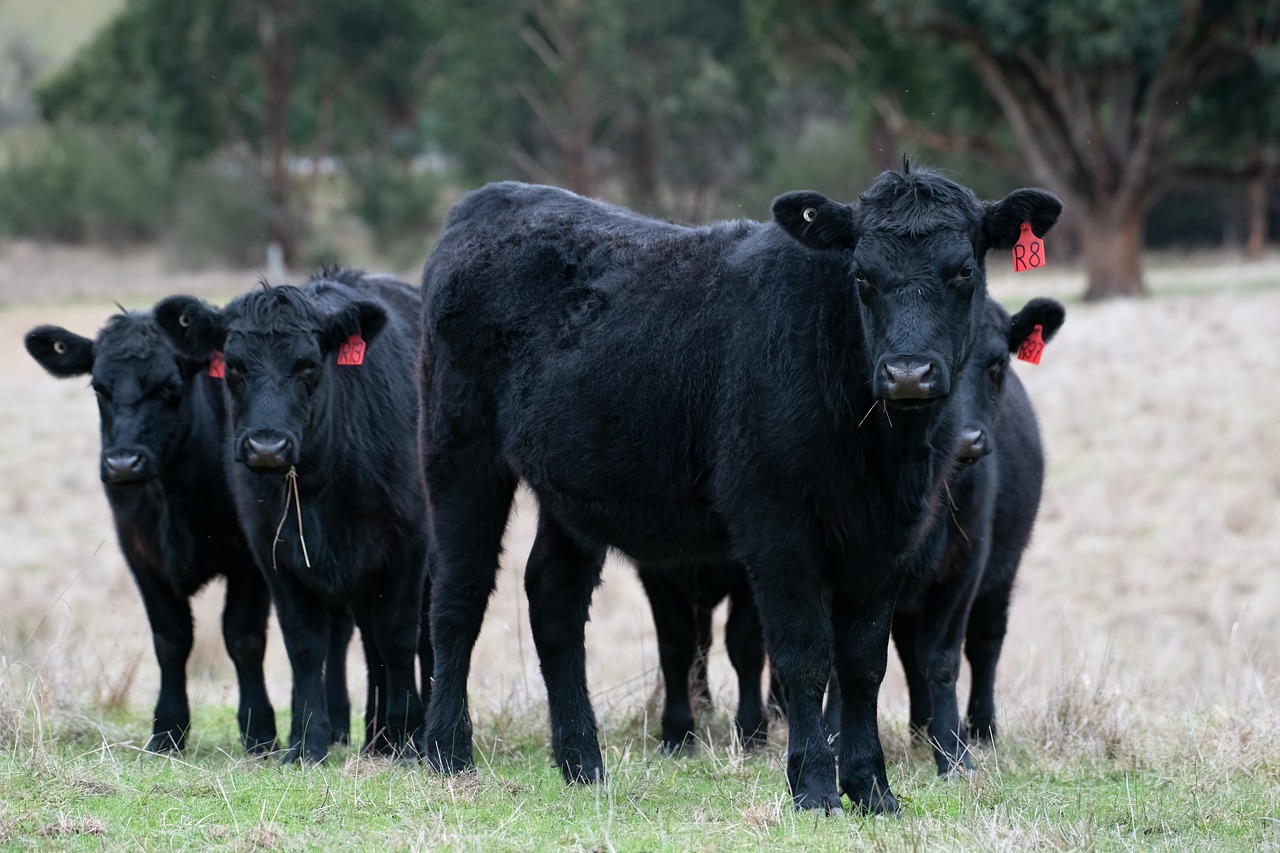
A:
(279, 345)
(140, 383)
(982, 380)
(916, 245)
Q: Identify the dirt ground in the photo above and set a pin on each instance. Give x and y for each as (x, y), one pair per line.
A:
(1152, 576)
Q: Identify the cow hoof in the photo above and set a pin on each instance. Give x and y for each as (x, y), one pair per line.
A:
(443, 761)
(586, 771)
(876, 803)
(827, 802)
(672, 747)
(259, 746)
(165, 743)
(984, 732)
(340, 738)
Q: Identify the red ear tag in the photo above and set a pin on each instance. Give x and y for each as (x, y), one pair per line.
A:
(1033, 347)
(217, 367)
(1028, 252)
(352, 350)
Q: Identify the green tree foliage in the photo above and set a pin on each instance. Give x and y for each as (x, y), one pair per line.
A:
(1094, 93)
(656, 103)
(273, 77)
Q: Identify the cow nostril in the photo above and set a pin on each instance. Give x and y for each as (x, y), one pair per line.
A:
(123, 467)
(266, 453)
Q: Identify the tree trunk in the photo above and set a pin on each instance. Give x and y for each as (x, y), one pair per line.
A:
(1256, 246)
(1113, 253)
(276, 76)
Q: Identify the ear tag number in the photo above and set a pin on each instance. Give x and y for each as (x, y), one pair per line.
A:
(352, 350)
(1028, 252)
(1033, 347)
(217, 367)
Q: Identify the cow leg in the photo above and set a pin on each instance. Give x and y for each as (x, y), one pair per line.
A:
(906, 627)
(376, 738)
(674, 623)
(559, 580)
(834, 707)
(304, 622)
(468, 516)
(744, 639)
(244, 630)
(426, 654)
(861, 632)
(983, 642)
(391, 617)
(170, 618)
(341, 626)
(786, 583)
(699, 683)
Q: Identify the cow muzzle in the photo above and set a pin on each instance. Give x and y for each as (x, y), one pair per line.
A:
(120, 466)
(267, 452)
(974, 444)
(911, 381)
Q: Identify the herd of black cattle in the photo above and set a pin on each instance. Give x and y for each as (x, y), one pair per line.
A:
(813, 416)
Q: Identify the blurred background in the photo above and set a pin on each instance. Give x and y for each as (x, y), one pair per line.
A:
(208, 130)
(157, 146)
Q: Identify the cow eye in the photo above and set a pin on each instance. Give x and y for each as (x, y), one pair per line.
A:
(966, 273)
(860, 278)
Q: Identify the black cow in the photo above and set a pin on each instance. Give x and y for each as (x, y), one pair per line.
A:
(160, 417)
(682, 601)
(769, 392)
(323, 413)
(960, 580)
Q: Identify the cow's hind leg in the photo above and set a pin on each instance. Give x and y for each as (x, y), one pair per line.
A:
(674, 621)
(469, 511)
(244, 629)
(170, 617)
(559, 581)
(744, 639)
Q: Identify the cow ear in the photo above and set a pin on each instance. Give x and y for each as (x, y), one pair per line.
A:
(367, 318)
(1048, 314)
(1003, 219)
(195, 327)
(815, 220)
(59, 351)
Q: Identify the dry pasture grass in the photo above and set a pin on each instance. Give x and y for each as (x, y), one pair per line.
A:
(1146, 620)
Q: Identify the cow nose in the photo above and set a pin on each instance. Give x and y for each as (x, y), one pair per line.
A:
(123, 467)
(908, 378)
(973, 446)
(266, 452)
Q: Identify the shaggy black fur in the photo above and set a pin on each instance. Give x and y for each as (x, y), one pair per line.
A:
(350, 431)
(161, 422)
(959, 582)
(773, 393)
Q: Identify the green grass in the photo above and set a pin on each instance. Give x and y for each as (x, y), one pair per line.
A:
(82, 784)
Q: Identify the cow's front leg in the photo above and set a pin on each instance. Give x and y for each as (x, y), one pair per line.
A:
(787, 587)
(860, 621)
(304, 622)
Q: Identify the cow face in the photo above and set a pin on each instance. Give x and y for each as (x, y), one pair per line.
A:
(982, 381)
(917, 245)
(279, 346)
(140, 383)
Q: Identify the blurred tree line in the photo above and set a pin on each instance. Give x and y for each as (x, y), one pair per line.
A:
(233, 123)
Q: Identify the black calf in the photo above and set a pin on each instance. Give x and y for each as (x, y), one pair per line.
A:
(160, 417)
(771, 393)
(323, 411)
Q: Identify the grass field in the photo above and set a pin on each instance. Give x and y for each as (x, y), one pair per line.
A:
(1139, 692)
